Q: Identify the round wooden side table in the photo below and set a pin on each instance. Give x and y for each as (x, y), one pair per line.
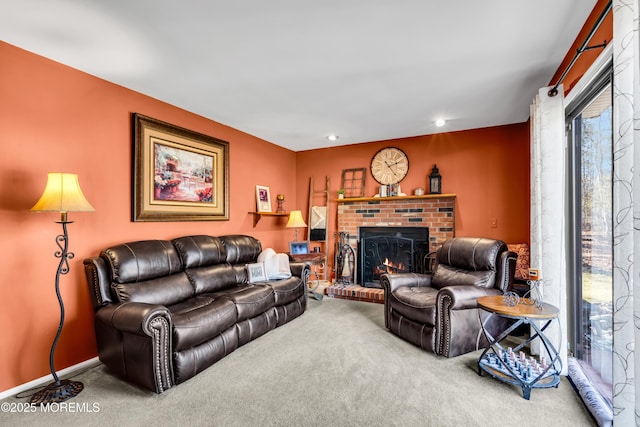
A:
(512, 365)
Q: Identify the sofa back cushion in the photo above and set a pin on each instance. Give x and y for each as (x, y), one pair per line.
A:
(241, 249)
(450, 276)
(147, 271)
(165, 291)
(208, 263)
(468, 261)
(142, 260)
(213, 278)
(200, 251)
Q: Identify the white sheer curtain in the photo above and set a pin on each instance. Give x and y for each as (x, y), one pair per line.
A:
(626, 212)
(548, 210)
(548, 183)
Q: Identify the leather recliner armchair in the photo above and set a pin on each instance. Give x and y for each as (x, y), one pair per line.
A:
(438, 312)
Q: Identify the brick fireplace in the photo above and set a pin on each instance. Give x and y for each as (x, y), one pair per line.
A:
(435, 211)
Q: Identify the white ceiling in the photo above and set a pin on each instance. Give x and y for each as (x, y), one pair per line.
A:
(294, 71)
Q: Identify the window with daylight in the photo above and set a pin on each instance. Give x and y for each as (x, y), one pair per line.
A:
(591, 275)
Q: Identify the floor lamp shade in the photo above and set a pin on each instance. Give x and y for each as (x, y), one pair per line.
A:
(61, 194)
(296, 221)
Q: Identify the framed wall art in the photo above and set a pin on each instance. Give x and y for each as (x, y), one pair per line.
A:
(178, 174)
(263, 199)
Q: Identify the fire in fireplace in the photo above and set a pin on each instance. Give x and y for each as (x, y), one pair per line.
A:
(390, 250)
(388, 267)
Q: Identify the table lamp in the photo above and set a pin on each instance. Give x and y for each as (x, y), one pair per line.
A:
(296, 221)
(61, 194)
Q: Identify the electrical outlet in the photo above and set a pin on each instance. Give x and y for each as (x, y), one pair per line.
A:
(534, 274)
(494, 222)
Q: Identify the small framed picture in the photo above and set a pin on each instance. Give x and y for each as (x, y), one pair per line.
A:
(263, 199)
(299, 248)
(256, 272)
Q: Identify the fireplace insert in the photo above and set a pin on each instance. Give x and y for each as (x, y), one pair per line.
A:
(390, 250)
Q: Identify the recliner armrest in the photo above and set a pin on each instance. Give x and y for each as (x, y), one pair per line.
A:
(464, 297)
(453, 331)
(507, 270)
(391, 282)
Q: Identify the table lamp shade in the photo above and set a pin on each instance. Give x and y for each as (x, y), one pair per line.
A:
(295, 220)
(62, 194)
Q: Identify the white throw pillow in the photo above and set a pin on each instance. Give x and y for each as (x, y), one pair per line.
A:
(276, 265)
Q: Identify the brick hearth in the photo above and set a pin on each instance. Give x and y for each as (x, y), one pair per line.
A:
(356, 293)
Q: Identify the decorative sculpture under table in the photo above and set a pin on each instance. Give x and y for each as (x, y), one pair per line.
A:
(512, 365)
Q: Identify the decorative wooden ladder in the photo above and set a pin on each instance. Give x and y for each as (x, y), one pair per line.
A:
(313, 194)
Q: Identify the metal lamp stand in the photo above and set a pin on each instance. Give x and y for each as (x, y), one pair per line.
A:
(59, 390)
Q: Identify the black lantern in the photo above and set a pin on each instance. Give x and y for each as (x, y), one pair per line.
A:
(435, 181)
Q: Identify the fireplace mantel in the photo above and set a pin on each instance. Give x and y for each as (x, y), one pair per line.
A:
(394, 198)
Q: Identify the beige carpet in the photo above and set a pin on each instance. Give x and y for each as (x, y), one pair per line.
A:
(336, 365)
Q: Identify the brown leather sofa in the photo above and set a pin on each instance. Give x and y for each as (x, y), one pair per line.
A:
(166, 310)
(438, 311)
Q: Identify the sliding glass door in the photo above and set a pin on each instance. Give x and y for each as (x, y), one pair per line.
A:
(591, 232)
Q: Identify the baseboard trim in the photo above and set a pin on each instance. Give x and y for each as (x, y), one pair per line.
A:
(47, 378)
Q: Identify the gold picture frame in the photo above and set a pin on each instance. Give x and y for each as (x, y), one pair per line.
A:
(263, 199)
(178, 174)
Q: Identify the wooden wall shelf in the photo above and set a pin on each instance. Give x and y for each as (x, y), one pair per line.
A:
(258, 215)
(383, 199)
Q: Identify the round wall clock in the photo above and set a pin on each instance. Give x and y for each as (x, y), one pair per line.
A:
(389, 165)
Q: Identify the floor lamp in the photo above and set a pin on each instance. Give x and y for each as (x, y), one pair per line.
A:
(296, 221)
(61, 194)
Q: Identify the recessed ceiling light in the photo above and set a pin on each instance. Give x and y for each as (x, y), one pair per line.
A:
(440, 122)
(333, 137)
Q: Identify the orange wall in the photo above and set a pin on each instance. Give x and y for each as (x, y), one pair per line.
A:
(487, 169)
(54, 118)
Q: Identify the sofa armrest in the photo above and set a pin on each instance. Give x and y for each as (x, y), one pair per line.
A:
(298, 268)
(303, 271)
(391, 282)
(135, 342)
(98, 279)
(136, 317)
